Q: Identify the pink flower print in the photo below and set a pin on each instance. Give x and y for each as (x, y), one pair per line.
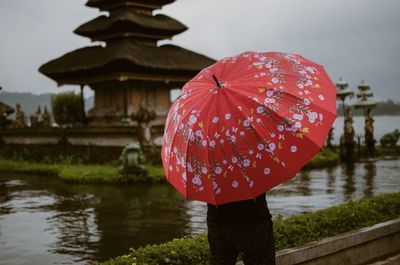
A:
(258, 120)
(224, 162)
(170, 168)
(235, 184)
(227, 116)
(293, 149)
(267, 171)
(241, 133)
(221, 141)
(251, 151)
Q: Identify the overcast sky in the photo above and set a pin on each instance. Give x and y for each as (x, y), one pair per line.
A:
(353, 39)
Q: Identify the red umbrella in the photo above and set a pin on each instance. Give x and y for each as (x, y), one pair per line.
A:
(246, 124)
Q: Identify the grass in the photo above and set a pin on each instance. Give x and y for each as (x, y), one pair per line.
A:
(293, 231)
(81, 174)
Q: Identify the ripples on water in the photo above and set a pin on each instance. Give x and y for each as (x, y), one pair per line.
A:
(44, 221)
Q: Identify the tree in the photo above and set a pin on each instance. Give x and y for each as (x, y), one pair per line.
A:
(67, 108)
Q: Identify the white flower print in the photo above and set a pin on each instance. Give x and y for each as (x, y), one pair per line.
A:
(221, 141)
(212, 144)
(204, 170)
(298, 116)
(321, 97)
(263, 74)
(269, 100)
(246, 122)
(312, 116)
(192, 137)
(251, 151)
(310, 69)
(300, 85)
(309, 83)
(199, 134)
(273, 70)
(272, 146)
(235, 184)
(246, 162)
(241, 133)
(233, 139)
(215, 120)
(204, 143)
(267, 171)
(258, 120)
(180, 126)
(189, 167)
(275, 80)
(218, 170)
(270, 93)
(170, 168)
(293, 149)
(260, 110)
(280, 127)
(184, 176)
(306, 101)
(234, 159)
(192, 119)
(251, 184)
(227, 116)
(321, 117)
(260, 147)
(224, 162)
(196, 180)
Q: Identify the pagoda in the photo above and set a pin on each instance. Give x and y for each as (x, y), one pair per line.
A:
(128, 71)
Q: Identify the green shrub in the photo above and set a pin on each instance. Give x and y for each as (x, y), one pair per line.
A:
(290, 232)
(325, 158)
(67, 108)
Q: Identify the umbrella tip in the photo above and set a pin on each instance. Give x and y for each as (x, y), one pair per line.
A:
(216, 81)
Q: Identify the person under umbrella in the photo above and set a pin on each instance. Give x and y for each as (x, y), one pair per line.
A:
(240, 127)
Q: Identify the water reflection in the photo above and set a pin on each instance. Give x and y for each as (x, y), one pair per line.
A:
(44, 221)
(370, 173)
(349, 184)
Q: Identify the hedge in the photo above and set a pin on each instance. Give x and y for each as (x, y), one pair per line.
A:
(290, 232)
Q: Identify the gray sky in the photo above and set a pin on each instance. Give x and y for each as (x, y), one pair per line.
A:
(353, 39)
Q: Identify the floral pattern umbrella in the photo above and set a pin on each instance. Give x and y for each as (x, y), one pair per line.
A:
(246, 124)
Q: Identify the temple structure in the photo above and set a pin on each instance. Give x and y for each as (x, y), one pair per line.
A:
(128, 70)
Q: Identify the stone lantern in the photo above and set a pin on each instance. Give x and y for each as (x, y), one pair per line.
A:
(367, 104)
(347, 140)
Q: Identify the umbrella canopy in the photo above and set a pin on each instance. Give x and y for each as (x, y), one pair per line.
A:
(246, 124)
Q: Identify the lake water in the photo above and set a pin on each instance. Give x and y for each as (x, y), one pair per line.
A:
(44, 221)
